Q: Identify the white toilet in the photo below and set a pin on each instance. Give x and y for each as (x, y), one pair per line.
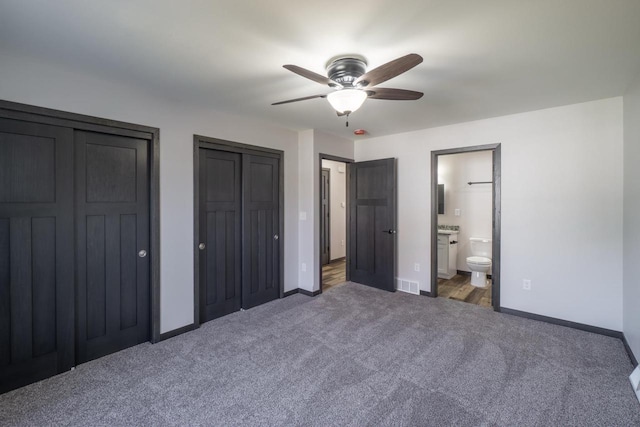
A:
(480, 260)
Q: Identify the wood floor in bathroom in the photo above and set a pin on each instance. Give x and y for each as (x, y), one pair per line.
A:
(459, 288)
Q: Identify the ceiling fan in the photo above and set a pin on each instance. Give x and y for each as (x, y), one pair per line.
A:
(352, 84)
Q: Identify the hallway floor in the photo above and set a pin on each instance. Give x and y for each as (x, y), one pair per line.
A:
(334, 273)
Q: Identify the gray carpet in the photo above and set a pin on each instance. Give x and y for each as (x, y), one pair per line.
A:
(351, 356)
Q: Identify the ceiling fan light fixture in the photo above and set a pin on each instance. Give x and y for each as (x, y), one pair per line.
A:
(347, 100)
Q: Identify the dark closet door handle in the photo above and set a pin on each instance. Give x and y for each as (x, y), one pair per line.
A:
(389, 231)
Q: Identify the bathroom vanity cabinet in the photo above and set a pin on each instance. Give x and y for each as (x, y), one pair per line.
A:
(447, 254)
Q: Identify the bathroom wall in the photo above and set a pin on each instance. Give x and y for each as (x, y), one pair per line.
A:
(631, 274)
(337, 206)
(561, 206)
(473, 201)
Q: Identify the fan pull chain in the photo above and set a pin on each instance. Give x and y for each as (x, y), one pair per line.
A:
(347, 119)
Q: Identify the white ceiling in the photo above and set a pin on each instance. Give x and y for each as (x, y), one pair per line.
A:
(481, 58)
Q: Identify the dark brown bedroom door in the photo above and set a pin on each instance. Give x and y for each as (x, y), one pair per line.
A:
(372, 223)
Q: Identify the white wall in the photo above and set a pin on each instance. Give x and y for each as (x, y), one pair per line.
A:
(631, 274)
(40, 83)
(337, 207)
(474, 201)
(312, 144)
(561, 205)
(306, 187)
(561, 191)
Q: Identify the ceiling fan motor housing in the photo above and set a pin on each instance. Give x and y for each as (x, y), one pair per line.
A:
(346, 70)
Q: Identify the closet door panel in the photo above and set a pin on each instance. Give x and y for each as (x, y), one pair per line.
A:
(36, 252)
(112, 243)
(261, 246)
(129, 298)
(220, 215)
(43, 264)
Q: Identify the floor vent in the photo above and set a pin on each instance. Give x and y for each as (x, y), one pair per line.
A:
(409, 286)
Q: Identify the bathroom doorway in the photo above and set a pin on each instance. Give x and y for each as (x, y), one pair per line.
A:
(465, 224)
(333, 221)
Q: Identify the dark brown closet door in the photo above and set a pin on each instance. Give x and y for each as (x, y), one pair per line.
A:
(220, 227)
(36, 252)
(112, 246)
(261, 253)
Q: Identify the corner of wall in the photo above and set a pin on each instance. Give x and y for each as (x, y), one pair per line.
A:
(631, 218)
(312, 143)
(305, 207)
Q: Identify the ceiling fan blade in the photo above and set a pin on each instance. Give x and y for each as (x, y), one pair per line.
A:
(393, 94)
(312, 76)
(388, 71)
(299, 99)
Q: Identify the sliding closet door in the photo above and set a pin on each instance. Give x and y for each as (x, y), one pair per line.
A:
(220, 241)
(112, 243)
(36, 252)
(261, 246)
(238, 246)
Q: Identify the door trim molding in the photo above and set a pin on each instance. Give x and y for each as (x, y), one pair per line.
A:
(200, 141)
(31, 113)
(329, 208)
(346, 161)
(175, 332)
(496, 226)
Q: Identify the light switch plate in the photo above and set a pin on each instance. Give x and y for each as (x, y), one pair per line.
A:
(303, 216)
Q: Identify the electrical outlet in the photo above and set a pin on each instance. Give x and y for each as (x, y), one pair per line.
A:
(303, 267)
(303, 216)
(526, 284)
(416, 267)
(456, 212)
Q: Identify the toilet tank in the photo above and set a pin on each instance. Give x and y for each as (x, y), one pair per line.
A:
(480, 246)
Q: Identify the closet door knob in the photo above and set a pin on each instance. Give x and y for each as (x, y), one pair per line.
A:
(276, 237)
(201, 246)
(142, 253)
